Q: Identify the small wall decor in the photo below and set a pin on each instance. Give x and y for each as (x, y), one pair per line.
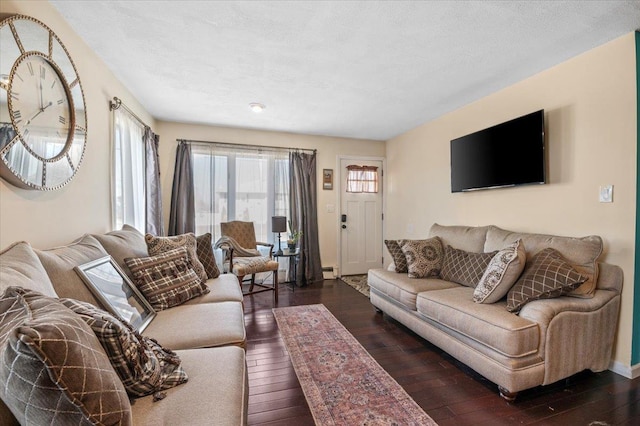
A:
(327, 178)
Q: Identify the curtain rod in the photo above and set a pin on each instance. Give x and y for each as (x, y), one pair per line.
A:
(245, 146)
(117, 103)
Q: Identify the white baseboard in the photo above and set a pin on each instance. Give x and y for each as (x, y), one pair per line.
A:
(630, 372)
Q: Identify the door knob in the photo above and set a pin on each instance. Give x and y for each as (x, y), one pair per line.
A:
(344, 226)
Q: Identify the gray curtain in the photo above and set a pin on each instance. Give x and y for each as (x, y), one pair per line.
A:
(155, 223)
(183, 212)
(304, 215)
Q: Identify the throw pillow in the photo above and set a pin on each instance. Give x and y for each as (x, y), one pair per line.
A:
(503, 271)
(464, 267)
(167, 279)
(546, 276)
(204, 250)
(399, 259)
(424, 257)
(143, 365)
(123, 243)
(20, 266)
(53, 369)
(158, 245)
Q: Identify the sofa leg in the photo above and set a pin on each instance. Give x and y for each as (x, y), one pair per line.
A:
(506, 395)
(378, 310)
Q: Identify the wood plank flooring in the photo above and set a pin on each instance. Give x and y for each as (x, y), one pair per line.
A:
(450, 392)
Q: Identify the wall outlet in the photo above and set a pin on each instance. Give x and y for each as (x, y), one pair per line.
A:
(606, 194)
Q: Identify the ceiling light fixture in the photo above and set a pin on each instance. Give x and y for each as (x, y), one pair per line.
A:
(257, 107)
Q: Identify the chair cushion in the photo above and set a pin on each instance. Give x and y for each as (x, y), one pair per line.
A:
(53, 369)
(142, 364)
(20, 266)
(501, 274)
(204, 250)
(159, 245)
(225, 288)
(167, 279)
(403, 289)
(127, 242)
(201, 325)
(489, 324)
(398, 256)
(252, 265)
(464, 267)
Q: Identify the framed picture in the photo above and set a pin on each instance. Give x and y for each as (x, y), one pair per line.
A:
(327, 178)
(111, 286)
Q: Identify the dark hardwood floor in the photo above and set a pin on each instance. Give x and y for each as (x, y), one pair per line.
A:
(450, 392)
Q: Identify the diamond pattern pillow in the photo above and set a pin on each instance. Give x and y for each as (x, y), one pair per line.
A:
(503, 271)
(53, 369)
(399, 259)
(159, 245)
(142, 364)
(546, 276)
(166, 280)
(424, 257)
(464, 267)
(204, 250)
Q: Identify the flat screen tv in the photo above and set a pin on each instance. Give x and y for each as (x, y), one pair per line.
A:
(508, 154)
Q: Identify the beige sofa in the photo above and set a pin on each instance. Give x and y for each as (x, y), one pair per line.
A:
(207, 332)
(546, 341)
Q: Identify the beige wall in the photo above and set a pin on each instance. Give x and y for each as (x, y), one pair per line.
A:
(590, 108)
(328, 151)
(83, 205)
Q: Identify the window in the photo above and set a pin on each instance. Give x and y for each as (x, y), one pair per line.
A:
(239, 184)
(362, 179)
(129, 204)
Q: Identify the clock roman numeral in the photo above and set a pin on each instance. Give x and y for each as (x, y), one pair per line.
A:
(30, 67)
(43, 73)
(17, 116)
(62, 120)
(25, 133)
(60, 101)
(54, 83)
(15, 96)
(18, 75)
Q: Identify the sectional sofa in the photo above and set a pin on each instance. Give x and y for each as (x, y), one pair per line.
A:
(546, 341)
(207, 333)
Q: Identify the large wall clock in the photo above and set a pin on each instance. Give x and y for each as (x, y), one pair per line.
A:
(43, 121)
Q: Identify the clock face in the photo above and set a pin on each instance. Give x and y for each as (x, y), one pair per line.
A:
(43, 119)
(40, 107)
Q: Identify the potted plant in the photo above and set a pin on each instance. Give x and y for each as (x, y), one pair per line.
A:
(294, 237)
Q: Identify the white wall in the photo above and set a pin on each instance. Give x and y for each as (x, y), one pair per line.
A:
(590, 112)
(329, 149)
(83, 205)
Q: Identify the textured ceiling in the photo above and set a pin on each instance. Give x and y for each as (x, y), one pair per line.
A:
(368, 70)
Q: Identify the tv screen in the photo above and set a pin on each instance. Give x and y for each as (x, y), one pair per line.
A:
(507, 154)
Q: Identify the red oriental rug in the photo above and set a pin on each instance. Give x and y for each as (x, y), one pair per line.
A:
(343, 384)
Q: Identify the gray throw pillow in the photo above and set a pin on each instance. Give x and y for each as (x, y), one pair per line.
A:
(503, 271)
(424, 257)
(546, 276)
(464, 267)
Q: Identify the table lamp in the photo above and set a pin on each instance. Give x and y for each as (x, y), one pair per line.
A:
(279, 224)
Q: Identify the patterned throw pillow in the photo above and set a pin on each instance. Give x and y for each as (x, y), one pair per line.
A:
(424, 257)
(502, 272)
(546, 276)
(143, 365)
(53, 369)
(205, 255)
(399, 259)
(159, 245)
(464, 267)
(167, 279)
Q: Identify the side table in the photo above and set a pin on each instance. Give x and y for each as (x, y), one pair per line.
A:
(294, 258)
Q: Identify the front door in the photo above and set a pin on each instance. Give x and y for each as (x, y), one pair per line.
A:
(360, 216)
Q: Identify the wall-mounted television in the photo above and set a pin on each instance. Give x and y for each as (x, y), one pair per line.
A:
(507, 154)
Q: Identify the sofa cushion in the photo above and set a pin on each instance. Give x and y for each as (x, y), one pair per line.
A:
(488, 324)
(60, 261)
(200, 325)
(53, 369)
(546, 276)
(464, 267)
(398, 256)
(124, 243)
(424, 257)
(581, 253)
(467, 238)
(144, 367)
(501, 274)
(159, 245)
(217, 392)
(225, 288)
(204, 250)
(401, 288)
(167, 279)
(20, 266)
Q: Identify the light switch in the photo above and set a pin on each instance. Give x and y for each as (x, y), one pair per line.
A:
(606, 193)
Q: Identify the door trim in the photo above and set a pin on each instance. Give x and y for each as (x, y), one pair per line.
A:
(339, 177)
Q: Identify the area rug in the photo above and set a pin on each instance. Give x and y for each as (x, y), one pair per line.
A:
(359, 282)
(342, 383)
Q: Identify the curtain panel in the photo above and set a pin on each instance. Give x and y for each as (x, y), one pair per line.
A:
(154, 221)
(182, 212)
